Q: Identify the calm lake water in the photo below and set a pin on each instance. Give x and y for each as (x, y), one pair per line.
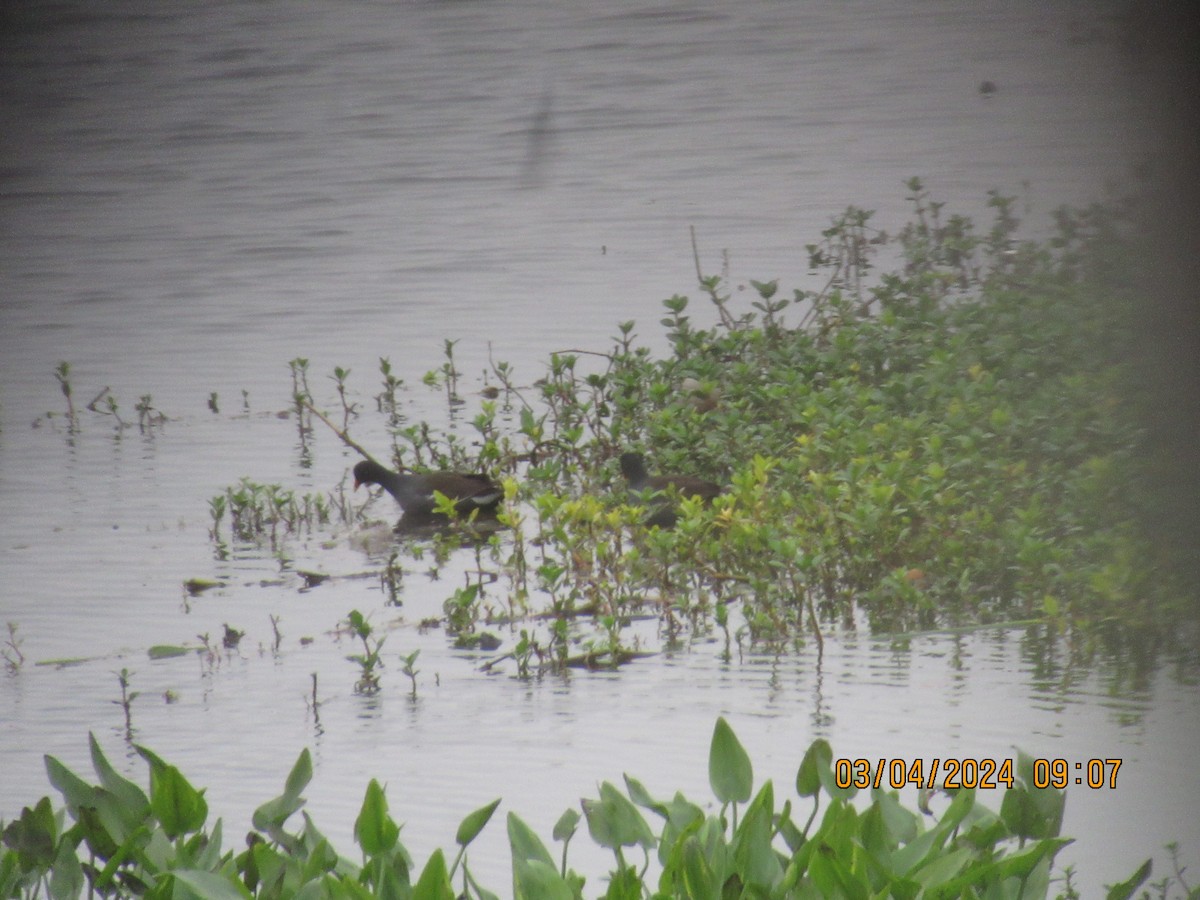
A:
(190, 197)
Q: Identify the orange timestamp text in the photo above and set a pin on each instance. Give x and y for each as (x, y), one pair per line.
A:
(970, 772)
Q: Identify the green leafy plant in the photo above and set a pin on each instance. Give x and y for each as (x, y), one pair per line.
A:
(127, 842)
(370, 660)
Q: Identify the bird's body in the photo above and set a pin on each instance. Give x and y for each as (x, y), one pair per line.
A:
(415, 492)
(633, 467)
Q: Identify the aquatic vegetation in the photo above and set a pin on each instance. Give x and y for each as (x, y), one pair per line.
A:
(446, 376)
(370, 661)
(386, 400)
(148, 416)
(10, 651)
(105, 404)
(408, 665)
(125, 679)
(258, 511)
(62, 374)
(824, 840)
(947, 443)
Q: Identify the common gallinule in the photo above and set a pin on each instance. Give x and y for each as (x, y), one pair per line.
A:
(414, 492)
(633, 467)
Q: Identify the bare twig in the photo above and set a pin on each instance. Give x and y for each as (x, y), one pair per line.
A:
(346, 439)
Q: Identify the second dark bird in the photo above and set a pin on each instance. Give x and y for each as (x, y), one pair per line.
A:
(633, 467)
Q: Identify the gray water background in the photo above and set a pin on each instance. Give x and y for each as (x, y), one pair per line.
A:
(192, 195)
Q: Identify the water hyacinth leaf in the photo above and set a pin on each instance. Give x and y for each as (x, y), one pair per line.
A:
(808, 777)
(177, 806)
(940, 868)
(374, 829)
(908, 858)
(624, 884)
(66, 877)
(75, 791)
(480, 892)
(1032, 864)
(207, 848)
(699, 880)
(564, 828)
(33, 836)
(639, 795)
(264, 865)
(901, 825)
(194, 884)
(104, 842)
(474, 823)
(614, 822)
(755, 858)
(534, 879)
(524, 844)
(272, 814)
(832, 875)
(960, 807)
(729, 770)
(322, 858)
(434, 883)
(130, 797)
(1049, 803)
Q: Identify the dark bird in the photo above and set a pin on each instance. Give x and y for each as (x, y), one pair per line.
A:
(415, 492)
(633, 467)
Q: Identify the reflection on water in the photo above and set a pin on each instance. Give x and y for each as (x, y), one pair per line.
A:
(191, 198)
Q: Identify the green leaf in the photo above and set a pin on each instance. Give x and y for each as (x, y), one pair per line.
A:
(639, 795)
(434, 883)
(374, 829)
(131, 799)
(474, 823)
(179, 807)
(271, 815)
(33, 835)
(76, 792)
(615, 822)
(1125, 889)
(808, 777)
(755, 858)
(564, 828)
(206, 886)
(526, 845)
(699, 880)
(534, 879)
(729, 770)
(67, 880)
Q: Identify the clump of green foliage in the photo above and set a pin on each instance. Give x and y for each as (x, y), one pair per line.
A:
(947, 445)
(123, 842)
(947, 441)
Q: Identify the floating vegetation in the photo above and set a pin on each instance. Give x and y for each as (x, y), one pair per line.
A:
(231, 637)
(197, 586)
(169, 651)
(815, 837)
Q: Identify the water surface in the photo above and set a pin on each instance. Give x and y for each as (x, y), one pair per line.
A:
(191, 197)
